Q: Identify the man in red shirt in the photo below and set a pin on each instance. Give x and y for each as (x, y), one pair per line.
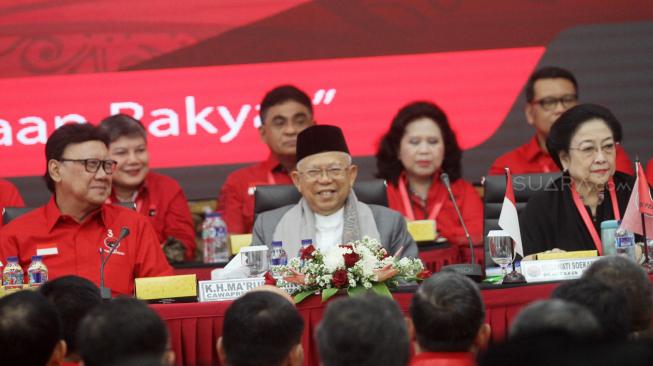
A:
(75, 225)
(550, 91)
(649, 172)
(9, 196)
(447, 321)
(285, 112)
(156, 196)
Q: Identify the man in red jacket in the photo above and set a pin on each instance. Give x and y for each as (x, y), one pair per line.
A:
(285, 112)
(75, 226)
(550, 91)
(447, 321)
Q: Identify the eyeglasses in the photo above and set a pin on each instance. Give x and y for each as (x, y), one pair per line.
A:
(592, 150)
(93, 165)
(550, 103)
(332, 173)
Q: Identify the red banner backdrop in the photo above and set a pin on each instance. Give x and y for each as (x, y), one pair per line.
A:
(205, 116)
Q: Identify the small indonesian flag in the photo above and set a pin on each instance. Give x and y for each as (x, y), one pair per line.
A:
(645, 201)
(508, 219)
(46, 249)
(632, 220)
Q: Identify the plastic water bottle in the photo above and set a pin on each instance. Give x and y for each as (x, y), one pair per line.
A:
(13, 274)
(608, 229)
(625, 243)
(214, 237)
(37, 272)
(278, 256)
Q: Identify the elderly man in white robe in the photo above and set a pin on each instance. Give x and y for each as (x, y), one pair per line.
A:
(329, 213)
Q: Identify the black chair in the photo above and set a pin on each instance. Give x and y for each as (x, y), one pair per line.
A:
(524, 186)
(11, 213)
(269, 197)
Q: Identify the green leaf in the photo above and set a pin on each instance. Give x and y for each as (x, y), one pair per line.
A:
(328, 292)
(355, 291)
(381, 289)
(299, 297)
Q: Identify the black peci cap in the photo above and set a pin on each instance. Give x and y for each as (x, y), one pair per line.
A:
(320, 138)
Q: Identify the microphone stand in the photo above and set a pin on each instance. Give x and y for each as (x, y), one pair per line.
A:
(472, 269)
(105, 292)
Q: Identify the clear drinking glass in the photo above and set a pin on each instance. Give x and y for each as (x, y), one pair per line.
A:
(255, 258)
(501, 251)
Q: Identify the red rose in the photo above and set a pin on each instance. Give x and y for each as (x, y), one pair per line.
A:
(340, 278)
(424, 274)
(269, 279)
(307, 253)
(351, 258)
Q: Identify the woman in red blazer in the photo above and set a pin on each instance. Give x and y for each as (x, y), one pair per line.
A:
(418, 147)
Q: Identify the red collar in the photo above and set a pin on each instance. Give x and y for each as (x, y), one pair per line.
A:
(272, 164)
(53, 215)
(533, 151)
(453, 356)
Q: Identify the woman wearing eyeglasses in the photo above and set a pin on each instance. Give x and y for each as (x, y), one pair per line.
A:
(567, 215)
(156, 196)
(417, 149)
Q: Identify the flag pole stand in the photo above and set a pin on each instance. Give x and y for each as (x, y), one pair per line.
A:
(514, 276)
(647, 265)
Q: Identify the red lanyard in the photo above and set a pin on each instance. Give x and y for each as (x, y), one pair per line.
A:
(271, 180)
(580, 206)
(440, 197)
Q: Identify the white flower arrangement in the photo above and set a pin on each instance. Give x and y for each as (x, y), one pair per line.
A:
(357, 267)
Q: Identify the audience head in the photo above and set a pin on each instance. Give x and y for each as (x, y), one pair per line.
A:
(627, 276)
(77, 164)
(448, 314)
(583, 142)
(73, 297)
(128, 146)
(549, 92)
(420, 142)
(285, 112)
(325, 174)
(363, 330)
(30, 330)
(122, 328)
(555, 317)
(606, 304)
(266, 322)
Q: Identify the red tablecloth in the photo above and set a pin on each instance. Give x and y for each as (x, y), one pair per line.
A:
(195, 327)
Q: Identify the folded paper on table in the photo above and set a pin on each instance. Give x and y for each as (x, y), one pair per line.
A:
(567, 255)
(422, 230)
(167, 289)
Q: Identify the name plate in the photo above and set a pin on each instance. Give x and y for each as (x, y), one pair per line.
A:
(555, 269)
(224, 290)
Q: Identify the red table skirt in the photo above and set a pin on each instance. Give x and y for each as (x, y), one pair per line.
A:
(436, 258)
(195, 327)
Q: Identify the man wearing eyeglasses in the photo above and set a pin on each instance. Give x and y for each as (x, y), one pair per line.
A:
(550, 91)
(329, 212)
(75, 225)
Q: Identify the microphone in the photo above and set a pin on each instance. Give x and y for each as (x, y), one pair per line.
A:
(471, 270)
(105, 292)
